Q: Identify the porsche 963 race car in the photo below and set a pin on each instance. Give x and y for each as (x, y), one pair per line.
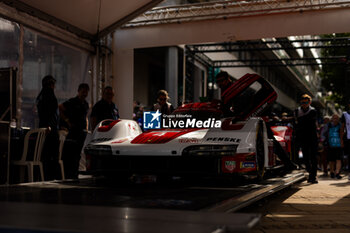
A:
(195, 140)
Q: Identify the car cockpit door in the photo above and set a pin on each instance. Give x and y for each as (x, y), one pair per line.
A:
(249, 97)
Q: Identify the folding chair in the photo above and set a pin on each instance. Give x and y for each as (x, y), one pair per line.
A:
(62, 137)
(39, 143)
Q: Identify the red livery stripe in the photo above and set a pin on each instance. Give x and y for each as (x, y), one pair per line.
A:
(160, 136)
(108, 126)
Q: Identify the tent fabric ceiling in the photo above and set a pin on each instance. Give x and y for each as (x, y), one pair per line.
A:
(90, 17)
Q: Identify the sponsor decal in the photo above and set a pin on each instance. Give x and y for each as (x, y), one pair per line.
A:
(151, 120)
(188, 140)
(230, 165)
(223, 139)
(247, 165)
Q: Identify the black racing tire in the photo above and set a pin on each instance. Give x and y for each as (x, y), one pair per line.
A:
(260, 152)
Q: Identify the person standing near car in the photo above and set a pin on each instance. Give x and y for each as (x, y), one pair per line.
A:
(47, 106)
(345, 135)
(306, 135)
(323, 139)
(73, 114)
(335, 151)
(105, 108)
(224, 81)
(162, 103)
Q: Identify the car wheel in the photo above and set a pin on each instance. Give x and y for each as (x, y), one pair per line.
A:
(260, 152)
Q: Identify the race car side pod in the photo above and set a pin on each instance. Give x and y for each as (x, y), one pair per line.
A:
(279, 151)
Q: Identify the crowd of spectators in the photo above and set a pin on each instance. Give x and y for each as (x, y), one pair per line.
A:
(71, 116)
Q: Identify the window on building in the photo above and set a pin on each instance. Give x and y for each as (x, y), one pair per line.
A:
(9, 41)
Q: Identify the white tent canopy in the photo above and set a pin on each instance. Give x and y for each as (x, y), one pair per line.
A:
(89, 19)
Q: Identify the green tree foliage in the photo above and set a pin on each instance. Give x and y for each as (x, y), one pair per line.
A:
(336, 77)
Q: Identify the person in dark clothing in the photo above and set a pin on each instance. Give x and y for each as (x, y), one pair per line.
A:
(47, 107)
(323, 131)
(162, 103)
(306, 135)
(224, 81)
(105, 108)
(73, 114)
(47, 104)
(345, 136)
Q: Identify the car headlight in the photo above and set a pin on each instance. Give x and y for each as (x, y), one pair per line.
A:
(215, 150)
(98, 150)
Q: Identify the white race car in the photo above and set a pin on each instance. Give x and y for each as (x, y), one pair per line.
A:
(239, 145)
